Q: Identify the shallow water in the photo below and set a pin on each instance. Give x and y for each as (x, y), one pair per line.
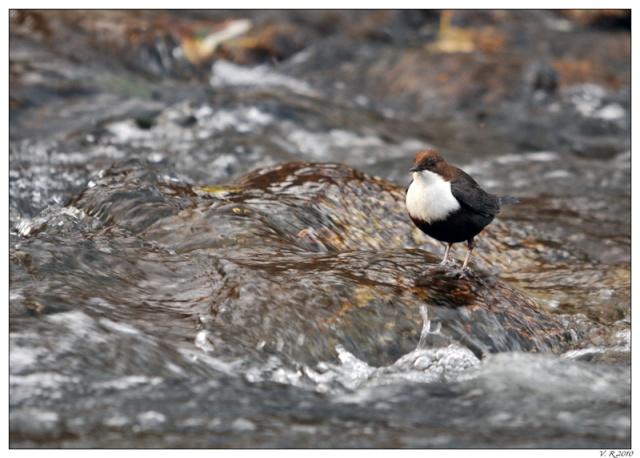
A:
(163, 296)
(152, 295)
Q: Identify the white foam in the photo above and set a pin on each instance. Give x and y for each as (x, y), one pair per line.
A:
(225, 73)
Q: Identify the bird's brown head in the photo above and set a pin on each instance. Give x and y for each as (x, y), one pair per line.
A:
(428, 159)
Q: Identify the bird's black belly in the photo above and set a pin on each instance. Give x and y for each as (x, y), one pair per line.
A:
(459, 226)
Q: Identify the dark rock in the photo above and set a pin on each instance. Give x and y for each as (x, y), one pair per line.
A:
(300, 258)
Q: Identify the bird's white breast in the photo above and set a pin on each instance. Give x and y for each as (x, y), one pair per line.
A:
(429, 197)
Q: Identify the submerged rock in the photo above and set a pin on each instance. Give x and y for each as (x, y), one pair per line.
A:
(294, 260)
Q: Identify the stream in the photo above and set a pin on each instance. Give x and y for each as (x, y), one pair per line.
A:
(209, 248)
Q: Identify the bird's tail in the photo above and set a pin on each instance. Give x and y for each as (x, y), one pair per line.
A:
(507, 200)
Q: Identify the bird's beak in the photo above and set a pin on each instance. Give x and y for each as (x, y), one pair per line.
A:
(415, 168)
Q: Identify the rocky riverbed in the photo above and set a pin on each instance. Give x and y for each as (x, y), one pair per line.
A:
(209, 245)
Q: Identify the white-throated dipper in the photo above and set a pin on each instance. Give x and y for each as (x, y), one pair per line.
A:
(447, 204)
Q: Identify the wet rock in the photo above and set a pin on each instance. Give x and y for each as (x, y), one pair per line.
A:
(300, 257)
(378, 60)
(137, 206)
(614, 19)
(196, 299)
(274, 42)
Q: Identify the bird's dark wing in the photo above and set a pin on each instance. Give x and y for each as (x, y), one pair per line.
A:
(472, 196)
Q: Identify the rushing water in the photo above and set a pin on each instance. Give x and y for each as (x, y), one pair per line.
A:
(228, 270)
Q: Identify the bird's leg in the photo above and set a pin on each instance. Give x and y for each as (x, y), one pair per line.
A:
(446, 254)
(469, 250)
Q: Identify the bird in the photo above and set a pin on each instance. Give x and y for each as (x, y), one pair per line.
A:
(447, 204)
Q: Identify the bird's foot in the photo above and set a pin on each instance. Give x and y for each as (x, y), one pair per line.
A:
(448, 262)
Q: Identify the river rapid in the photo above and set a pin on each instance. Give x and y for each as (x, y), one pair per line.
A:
(211, 249)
